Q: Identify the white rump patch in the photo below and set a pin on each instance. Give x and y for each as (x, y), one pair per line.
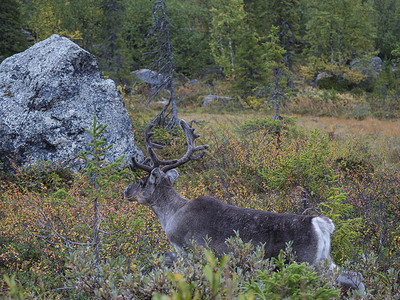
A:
(323, 227)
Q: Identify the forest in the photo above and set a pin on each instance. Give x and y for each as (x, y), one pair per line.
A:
(307, 122)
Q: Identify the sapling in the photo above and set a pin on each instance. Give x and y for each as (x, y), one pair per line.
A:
(100, 175)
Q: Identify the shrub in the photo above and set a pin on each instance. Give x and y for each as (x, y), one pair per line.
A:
(199, 275)
(303, 162)
(270, 126)
(347, 227)
(293, 281)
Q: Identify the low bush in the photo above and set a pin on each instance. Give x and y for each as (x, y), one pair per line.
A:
(241, 274)
(297, 172)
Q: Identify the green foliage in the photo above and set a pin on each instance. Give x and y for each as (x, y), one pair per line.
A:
(12, 40)
(189, 35)
(347, 228)
(42, 176)
(335, 32)
(338, 29)
(270, 126)
(113, 50)
(100, 173)
(15, 291)
(199, 275)
(290, 281)
(44, 18)
(61, 194)
(386, 19)
(227, 27)
(213, 271)
(249, 71)
(307, 167)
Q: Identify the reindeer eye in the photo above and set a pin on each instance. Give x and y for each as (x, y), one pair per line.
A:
(143, 181)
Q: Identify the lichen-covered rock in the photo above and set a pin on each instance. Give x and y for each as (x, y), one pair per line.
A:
(49, 95)
(213, 98)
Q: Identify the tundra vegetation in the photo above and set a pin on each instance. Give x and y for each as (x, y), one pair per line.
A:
(336, 152)
(49, 250)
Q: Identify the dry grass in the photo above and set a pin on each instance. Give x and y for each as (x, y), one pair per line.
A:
(379, 136)
(344, 127)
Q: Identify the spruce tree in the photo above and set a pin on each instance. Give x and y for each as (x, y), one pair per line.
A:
(387, 22)
(12, 39)
(111, 49)
(284, 14)
(163, 62)
(235, 46)
(339, 29)
(275, 56)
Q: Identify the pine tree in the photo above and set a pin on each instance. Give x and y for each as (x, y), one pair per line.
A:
(137, 23)
(100, 175)
(41, 18)
(190, 35)
(81, 21)
(249, 71)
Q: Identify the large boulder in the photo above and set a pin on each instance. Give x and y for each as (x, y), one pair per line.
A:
(49, 95)
(369, 68)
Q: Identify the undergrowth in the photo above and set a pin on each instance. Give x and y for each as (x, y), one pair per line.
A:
(257, 164)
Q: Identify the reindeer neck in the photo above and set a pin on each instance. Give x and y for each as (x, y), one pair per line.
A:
(167, 204)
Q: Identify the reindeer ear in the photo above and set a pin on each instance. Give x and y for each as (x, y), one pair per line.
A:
(155, 176)
(172, 175)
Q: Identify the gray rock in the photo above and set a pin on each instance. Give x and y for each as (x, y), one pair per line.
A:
(163, 101)
(377, 64)
(212, 98)
(320, 77)
(151, 77)
(369, 68)
(194, 82)
(374, 65)
(323, 75)
(49, 95)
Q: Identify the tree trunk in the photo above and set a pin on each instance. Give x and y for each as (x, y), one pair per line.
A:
(331, 40)
(174, 118)
(277, 93)
(231, 51)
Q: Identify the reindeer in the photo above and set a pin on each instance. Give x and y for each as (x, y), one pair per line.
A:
(184, 220)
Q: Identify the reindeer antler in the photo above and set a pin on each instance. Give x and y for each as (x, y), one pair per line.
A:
(174, 163)
(192, 149)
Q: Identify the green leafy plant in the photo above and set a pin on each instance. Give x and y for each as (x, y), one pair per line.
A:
(347, 228)
(15, 290)
(201, 275)
(305, 166)
(273, 127)
(290, 281)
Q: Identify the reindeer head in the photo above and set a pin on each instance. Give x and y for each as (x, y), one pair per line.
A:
(162, 174)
